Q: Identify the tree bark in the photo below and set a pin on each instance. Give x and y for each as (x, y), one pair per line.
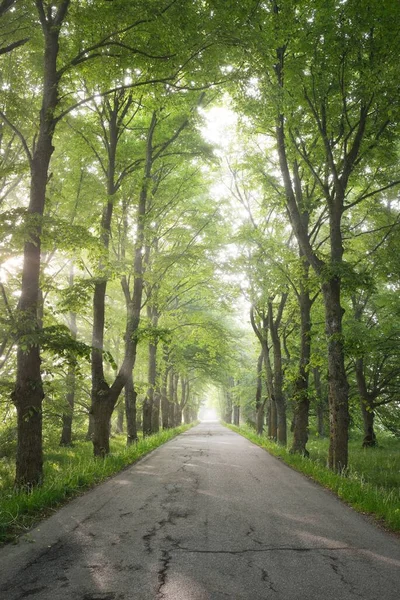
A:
(119, 428)
(164, 393)
(366, 405)
(273, 423)
(236, 415)
(321, 403)
(337, 379)
(186, 415)
(151, 405)
(184, 397)
(171, 396)
(228, 407)
(261, 332)
(101, 406)
(177, 409)
(259, 400)
(89, 433)
(301, 395)
(178, 416)
(130, 411)
(147, 413)
(280, 402)
(155, 419)
(368, 415)
(67, 417)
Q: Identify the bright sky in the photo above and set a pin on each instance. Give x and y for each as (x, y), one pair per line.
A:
(220, 128)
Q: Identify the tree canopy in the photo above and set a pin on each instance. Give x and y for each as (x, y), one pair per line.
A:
(143, 263)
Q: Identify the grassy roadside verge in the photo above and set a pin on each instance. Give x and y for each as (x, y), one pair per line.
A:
(68, 473)
(372, 491)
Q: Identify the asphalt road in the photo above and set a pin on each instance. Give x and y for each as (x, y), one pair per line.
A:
(208, 516)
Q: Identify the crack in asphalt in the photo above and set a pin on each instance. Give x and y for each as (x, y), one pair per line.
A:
(261, 550)
(335, 566)
(149, 536)
(250, 532)
(33, 591)
(172, 515)
(163, 573)
(267, 579)
(101, 596)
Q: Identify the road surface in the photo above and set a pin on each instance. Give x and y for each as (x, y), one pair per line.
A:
(208, 516)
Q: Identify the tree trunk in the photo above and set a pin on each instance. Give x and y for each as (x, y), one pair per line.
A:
(273, 425)
(102, 405)
(177, 408)
(366, 405)
(322, 403)
(236, 415)
(149, 410)
(102, 412)
(147, 413)
(171, 415)
(186, 415)
(320, 419)
(260, 419)
(280, 401)
(89, 434)
(139, 424)
(271, 410)
(119, 428)
(368, 415)
(301, 396)
(183, 404)
(259, 400)
(171, 394)
(28, 393)
(164, 399)
(281, 424)
(104, 397)
(155, 419)
(178, 416)
(331, 284)
(338, 386)
(67, 417)
(228, 407)
(130, 411)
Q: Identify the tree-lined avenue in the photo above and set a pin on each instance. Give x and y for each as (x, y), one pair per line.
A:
(207, 516)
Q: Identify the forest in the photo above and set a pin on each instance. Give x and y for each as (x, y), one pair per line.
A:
(199, 206)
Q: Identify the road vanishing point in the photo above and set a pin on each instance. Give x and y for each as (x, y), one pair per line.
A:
(207, 516)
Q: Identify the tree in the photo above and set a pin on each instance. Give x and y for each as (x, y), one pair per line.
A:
(319, 76)
(65, 51)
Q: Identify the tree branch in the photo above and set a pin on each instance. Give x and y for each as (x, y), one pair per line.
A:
(19, 134)
(12, 46)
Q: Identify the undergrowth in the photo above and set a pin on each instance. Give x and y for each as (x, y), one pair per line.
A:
(67, 473)
(371, 484)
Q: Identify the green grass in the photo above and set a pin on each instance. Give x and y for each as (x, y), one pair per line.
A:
(67, 473)
(371, 484)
